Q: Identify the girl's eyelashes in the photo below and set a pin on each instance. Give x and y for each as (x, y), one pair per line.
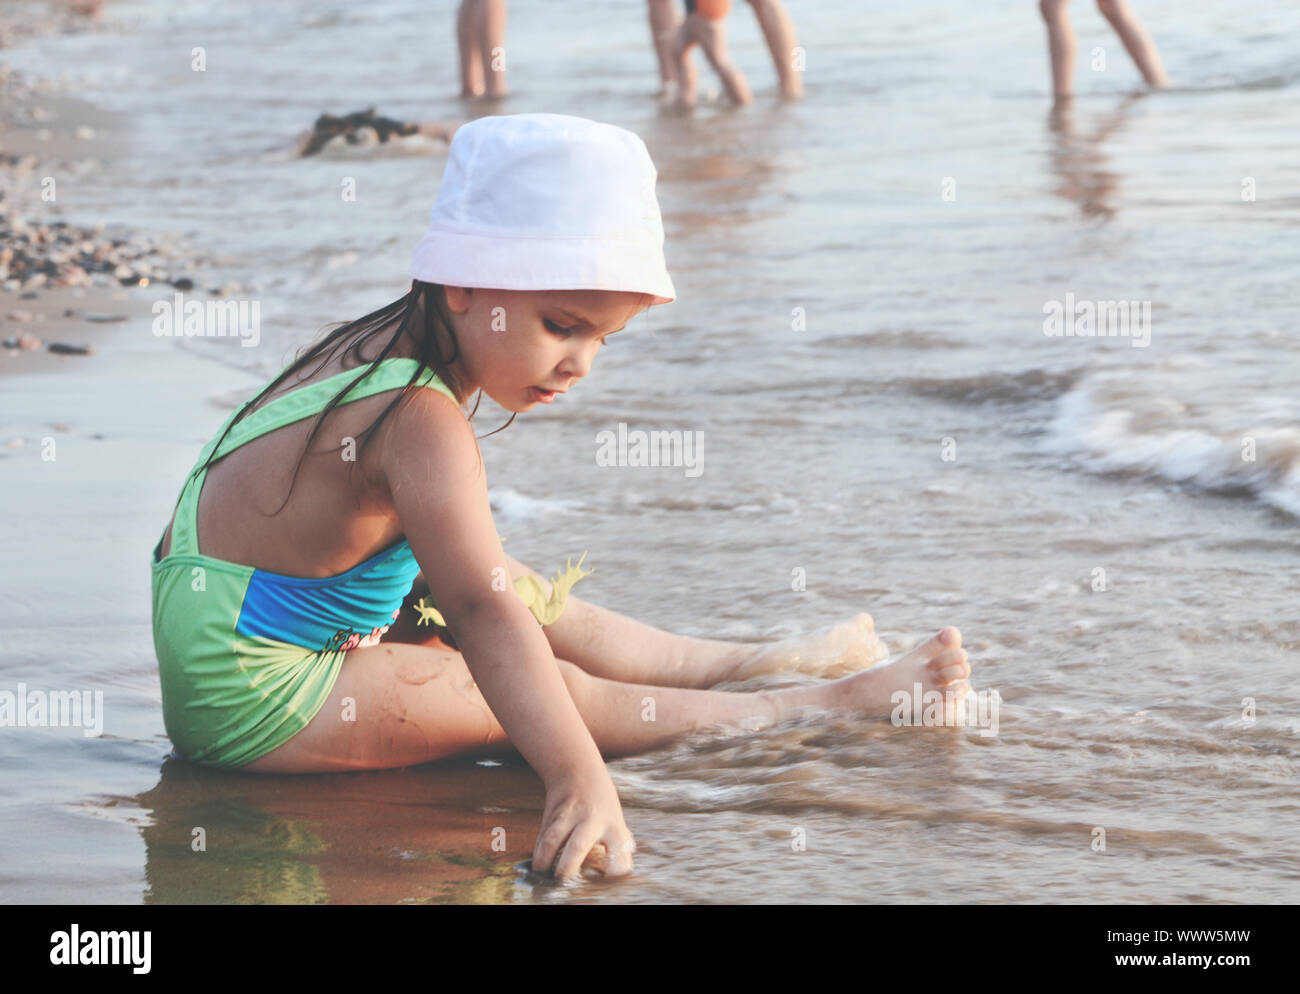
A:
(559, 329)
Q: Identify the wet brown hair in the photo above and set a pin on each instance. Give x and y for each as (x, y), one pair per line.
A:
(371, 326)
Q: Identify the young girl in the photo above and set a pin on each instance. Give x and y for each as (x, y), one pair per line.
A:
(282, 587)
(705, 26)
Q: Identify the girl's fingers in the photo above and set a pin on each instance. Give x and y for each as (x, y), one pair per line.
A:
(611, 855)
(575, 852)
(549, 843)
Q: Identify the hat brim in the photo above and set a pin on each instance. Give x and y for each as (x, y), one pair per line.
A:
(460, 258)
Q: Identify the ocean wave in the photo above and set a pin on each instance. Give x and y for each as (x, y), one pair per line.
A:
(906, 338)
(1108, 426)
(510, 507)
(995, 387)
(771, 503)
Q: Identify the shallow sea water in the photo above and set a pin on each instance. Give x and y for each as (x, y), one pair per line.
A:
(1126, 694)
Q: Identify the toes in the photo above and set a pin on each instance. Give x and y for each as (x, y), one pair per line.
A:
(949, 665)
(943, 640)
(957, 691)
(954, 694)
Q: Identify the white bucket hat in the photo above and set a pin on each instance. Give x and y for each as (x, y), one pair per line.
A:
(546, 202)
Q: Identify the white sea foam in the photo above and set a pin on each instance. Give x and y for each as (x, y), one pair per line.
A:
(510, 507)
(1107, 427)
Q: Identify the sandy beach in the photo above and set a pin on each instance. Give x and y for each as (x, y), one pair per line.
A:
(1156, 702)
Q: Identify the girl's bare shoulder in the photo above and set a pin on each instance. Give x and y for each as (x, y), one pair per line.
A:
(427, 441)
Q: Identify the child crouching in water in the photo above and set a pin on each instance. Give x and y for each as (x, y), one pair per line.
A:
(278, 587)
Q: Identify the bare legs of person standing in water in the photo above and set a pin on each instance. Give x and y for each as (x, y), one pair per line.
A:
(673, 39)
(705, 26)
(778, 32)
(664, 22)
(481, 37)
(1061, 43)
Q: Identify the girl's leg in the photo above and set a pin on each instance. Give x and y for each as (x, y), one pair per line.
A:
(1141, 48)
(492, 44)
(682, 44)
(607, 644)
(471, 65)
(399, 705)
(663, 28)
(713, 41)
(778, 32)
(1060, 43)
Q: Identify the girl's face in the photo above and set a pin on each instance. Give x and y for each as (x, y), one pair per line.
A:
(516, 344)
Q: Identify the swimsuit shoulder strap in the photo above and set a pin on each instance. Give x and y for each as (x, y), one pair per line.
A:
(388, 374)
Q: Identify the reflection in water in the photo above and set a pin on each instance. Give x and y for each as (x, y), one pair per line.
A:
(418, 835)
(716, 174)
(1080, 163)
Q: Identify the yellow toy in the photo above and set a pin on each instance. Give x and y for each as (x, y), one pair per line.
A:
(546, 610)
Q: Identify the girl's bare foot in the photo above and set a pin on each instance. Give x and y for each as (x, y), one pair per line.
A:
(938, 664)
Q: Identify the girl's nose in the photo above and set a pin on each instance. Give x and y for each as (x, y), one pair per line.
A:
(577, 363)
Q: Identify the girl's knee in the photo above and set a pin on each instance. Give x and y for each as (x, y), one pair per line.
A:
(1051, 8)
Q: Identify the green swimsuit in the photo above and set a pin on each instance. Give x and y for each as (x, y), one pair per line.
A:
(246, 657)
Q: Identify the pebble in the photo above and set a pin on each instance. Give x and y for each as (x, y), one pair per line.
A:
(23, 341)
(37, 254)
(61, 349)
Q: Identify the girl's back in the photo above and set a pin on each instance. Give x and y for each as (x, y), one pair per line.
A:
(338, 513)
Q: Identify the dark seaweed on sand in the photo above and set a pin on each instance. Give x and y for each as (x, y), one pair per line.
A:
(328, 126)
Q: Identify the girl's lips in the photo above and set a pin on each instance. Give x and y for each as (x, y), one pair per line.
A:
(545, 396)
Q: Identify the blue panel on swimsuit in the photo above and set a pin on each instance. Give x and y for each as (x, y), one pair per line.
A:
(330, 613)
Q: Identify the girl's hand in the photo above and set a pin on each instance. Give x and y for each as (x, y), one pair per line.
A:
(582, 813)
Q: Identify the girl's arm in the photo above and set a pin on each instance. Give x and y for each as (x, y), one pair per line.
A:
(429, 461)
